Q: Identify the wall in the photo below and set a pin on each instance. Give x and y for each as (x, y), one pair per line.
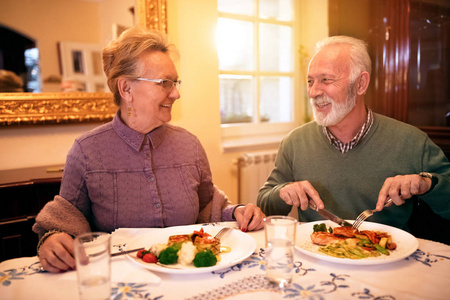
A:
(191, 28)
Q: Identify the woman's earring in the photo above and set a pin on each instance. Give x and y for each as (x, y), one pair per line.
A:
(129, 110)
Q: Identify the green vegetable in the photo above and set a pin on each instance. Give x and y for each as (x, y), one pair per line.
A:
(381, 249)
(320, 227)
(177, 245)
(205, 259)
(169, 255)
(364, 243)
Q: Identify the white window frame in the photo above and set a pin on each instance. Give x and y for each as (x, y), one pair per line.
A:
(253, 136)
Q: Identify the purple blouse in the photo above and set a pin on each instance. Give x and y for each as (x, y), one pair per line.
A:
(118, 177)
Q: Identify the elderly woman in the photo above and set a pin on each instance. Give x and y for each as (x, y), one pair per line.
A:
(137, 170)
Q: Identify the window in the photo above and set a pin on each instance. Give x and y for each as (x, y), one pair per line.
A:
(255, 42)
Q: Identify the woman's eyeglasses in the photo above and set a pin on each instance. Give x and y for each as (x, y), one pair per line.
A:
(167, 84)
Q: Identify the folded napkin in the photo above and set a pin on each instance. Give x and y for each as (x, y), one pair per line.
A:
(122, 270)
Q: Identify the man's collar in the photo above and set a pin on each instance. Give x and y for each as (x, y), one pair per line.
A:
(344, 147)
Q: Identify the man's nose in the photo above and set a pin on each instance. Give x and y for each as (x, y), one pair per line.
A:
(314, 90)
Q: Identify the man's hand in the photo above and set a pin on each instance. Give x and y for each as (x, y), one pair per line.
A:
(249, 217)
(298, 194)
(402, 187)
(56, 253)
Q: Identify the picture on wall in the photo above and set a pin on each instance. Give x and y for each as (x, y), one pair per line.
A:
(81, 67)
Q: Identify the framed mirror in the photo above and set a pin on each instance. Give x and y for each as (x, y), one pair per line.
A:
(74, 107)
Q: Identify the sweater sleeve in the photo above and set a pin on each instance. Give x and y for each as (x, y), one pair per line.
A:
(436, 163)
(269, 199)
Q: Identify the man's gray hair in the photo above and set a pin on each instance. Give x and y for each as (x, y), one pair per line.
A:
(359, 56)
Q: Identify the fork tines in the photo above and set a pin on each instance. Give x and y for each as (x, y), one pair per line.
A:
(222, 232)
(367, 213)
(361, 218)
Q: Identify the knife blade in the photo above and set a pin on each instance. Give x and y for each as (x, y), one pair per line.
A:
(329, 216)
(125, 252)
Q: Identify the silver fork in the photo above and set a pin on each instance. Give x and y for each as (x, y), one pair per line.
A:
(223, 231)
(367, 213)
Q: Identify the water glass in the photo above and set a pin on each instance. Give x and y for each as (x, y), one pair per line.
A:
(280, 246)
(93, 260)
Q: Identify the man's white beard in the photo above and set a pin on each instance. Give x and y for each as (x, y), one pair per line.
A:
(338, 110)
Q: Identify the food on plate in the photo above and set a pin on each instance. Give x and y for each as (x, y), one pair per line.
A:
(198, 248)
(179, 238)
(205, 258)
(207, 243)
(169, 255)
(149, 258)
(347, 242)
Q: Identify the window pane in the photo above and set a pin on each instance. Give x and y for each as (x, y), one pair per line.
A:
(236, 98)
(275, 48)
(241, 7)
(235, 45)
(276, 9)
(276, 95)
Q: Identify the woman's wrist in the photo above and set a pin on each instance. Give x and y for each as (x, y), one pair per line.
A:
(45, 237)
(234, 210)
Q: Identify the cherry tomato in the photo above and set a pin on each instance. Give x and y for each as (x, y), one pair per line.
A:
(140, 253)
(149, 258)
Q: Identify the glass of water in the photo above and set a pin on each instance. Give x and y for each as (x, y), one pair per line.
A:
(280, 234)
(93, 260)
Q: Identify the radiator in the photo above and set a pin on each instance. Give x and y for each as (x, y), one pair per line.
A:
(253, 170)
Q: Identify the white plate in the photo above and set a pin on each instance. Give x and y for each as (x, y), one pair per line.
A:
(406, 244)
(242, 246)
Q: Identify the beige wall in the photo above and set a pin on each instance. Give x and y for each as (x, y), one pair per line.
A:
(191, 28)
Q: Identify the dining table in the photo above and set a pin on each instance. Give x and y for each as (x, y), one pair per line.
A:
(422, 274)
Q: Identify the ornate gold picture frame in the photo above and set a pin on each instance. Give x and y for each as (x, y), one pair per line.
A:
(58, 108)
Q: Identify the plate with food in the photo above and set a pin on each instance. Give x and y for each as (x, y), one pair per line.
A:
(190, 249)
(371, 244)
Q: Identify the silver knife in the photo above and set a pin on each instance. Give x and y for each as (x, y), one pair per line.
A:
(329, 216)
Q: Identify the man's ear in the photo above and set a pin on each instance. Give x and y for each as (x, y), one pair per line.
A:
(363, 83)
(124, 86)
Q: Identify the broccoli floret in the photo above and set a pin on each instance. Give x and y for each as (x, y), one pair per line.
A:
(322, 227)
(205, 259)
(169, 255)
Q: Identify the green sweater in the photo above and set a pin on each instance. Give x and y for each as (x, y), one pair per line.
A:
(349, 183)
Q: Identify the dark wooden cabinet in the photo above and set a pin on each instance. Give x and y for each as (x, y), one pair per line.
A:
(410, 49)
(21, 198)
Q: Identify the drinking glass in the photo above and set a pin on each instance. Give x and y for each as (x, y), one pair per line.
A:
(280, 240)
(93, 260)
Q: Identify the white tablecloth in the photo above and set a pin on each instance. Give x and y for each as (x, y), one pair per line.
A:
(423, 275)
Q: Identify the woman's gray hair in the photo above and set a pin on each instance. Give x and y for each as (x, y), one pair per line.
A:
(122, 57)
(359, 56)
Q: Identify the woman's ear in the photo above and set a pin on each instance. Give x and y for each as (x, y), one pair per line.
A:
(124, 86)
(363, 83)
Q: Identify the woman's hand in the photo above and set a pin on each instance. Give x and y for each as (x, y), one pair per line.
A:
(57, 254)
(249, 217)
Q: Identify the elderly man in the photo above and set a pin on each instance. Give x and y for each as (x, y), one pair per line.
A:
(351, 159)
